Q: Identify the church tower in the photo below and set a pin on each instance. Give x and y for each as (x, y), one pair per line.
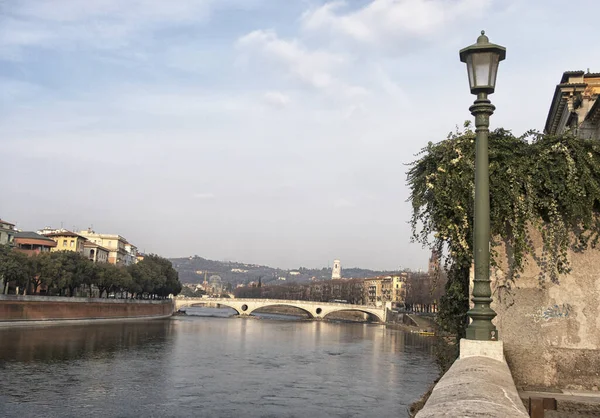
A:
(336, 271)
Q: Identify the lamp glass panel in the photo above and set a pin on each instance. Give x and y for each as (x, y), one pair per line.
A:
(482, 63)
(494, 69)
(470, 71)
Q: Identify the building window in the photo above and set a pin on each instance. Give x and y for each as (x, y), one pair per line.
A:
(64, 242)
(72, 243)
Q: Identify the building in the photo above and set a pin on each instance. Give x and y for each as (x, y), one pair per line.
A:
(116, 245)
(95, 252)
(387, 289)
(7, 233)
(379, 290)
(132, 253)
(31, 243)
(399, 289)
(434, 264)
(215, 285)
(575, 106)
(67, 241)
(336, 271)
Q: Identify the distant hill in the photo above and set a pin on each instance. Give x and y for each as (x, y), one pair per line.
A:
(192, 270)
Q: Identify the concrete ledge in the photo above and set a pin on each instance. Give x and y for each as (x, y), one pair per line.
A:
(66, 299)
(475, 386)
(474, 348)
(82, 321)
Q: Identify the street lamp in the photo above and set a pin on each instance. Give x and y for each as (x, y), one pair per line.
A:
(482, 61)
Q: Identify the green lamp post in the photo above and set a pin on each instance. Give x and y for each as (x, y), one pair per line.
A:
(482, 61)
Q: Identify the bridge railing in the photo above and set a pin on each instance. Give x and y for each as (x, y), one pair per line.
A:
(295, 302)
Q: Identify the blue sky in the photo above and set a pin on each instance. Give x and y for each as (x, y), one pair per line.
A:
(264, 131)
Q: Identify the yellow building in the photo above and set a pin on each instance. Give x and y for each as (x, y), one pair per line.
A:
(67, 241)
(399, 289)
(575, 106)
(379, 290)
(383, 289)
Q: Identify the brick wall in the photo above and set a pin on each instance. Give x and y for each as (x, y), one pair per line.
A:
(34, 308)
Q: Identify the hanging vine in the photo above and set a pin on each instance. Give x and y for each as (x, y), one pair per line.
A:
(549, 184)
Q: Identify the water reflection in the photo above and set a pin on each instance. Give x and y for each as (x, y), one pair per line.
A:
(61, 343)
(207, 366)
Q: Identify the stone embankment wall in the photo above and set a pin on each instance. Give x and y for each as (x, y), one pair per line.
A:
(475, 387)
(551, 333)
(16, 310)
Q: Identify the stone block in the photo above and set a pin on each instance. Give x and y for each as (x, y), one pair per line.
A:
(489, 349)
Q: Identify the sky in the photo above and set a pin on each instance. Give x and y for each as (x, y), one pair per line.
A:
(275, 132)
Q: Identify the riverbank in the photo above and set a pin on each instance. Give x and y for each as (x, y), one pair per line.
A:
(43, 310)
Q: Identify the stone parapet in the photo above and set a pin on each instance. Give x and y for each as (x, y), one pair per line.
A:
(475, 386)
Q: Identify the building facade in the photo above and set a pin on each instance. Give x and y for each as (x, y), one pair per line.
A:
(7, 233)
(379, 290)
(386, 289)
(95, 252)
(131, 256)
(575, 106)
(117, 254)
(336, 270)
(67, 241)
(399, 282)
(31, 243)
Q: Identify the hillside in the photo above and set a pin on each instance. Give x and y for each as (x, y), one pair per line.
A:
(192, 270)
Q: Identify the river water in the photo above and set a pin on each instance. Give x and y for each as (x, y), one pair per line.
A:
(212, 365)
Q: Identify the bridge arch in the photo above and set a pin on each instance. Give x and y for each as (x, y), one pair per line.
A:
(204, 302)
(289, 305)
(349, 309)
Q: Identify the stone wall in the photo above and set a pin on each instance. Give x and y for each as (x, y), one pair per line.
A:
(551, 333)
(17, 309)
(475, 387)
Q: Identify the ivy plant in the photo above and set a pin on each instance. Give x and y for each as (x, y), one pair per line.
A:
(544, 183)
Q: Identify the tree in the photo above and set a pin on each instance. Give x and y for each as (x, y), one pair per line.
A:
(538, 183)
(49, 270)
(155, 276)
(14, 267)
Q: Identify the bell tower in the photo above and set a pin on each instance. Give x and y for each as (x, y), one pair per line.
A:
(336, 271)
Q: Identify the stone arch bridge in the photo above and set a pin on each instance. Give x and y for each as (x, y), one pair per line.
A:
(316, 310)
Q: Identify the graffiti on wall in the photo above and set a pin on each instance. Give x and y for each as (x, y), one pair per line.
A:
(551, 312)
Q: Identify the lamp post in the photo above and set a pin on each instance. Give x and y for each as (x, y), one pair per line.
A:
(482, 60)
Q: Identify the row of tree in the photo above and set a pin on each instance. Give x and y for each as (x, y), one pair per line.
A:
(421, 291)
(424, 291)
(352, 291)
(68, 273)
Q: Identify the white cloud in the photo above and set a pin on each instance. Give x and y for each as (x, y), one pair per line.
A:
(317, 68)
(101, 24)
(203, 196)
(384, 21)
(276, 99)
(343, 203)
(129, 11)
(311, 67)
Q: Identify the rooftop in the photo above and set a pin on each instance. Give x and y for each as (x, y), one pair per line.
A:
(64, 233)
(32, 235)
(91, 244)
(557, 106)
(6, 223)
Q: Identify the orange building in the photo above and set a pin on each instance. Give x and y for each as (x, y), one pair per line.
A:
(30, 243)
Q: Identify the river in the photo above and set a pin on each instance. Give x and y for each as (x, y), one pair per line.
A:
(212, 365)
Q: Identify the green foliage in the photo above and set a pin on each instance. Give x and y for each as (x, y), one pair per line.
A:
(155, 274)
(543, 183)
(63, 272)
(14, 267)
